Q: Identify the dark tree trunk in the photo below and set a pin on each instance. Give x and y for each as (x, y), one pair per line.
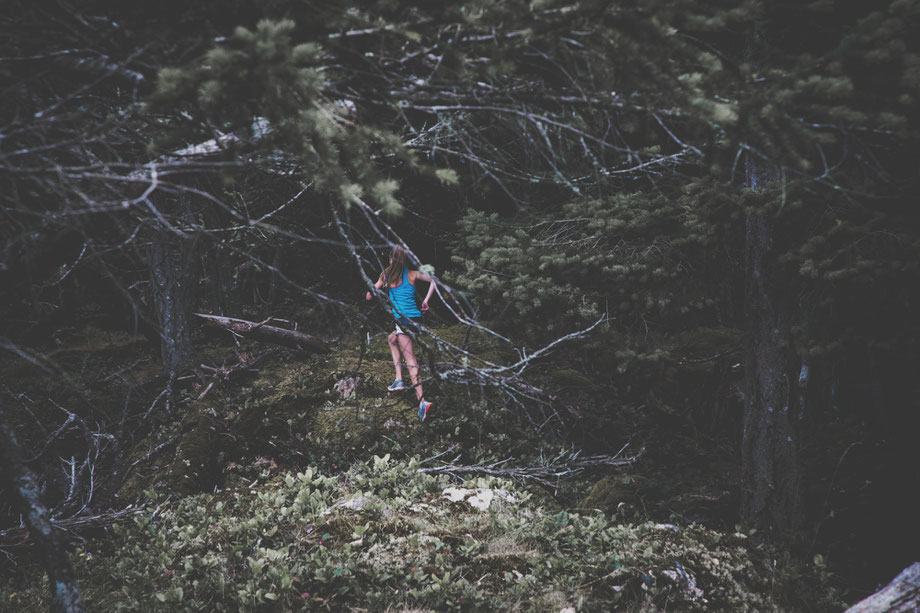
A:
(174, 281)
(19, 481)
(775, 379)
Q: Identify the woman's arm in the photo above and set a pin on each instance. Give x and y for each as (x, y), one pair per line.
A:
(431, 285)
(377, 285)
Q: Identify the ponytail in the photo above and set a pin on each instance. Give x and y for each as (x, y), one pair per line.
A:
(398, 262)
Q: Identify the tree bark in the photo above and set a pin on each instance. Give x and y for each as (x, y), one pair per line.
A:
(269, 334)
(21, 483)
(173, 282)
(772, 497)
(772, 494)
(902, 595)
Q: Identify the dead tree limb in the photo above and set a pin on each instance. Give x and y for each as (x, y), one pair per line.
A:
(21, 537)
(899, 596)
(269, 334)
(565, 465)
(19, 481)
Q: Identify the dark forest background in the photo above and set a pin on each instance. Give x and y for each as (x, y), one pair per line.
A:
(687, 226)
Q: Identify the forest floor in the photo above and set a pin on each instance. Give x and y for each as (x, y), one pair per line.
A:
(283, 481)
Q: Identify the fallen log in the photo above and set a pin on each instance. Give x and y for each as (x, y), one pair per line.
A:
(268, 334)
(901, 595)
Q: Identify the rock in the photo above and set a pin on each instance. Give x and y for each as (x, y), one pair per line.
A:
(359, 503)
(480, 498)
(346, 387)
(455, 494)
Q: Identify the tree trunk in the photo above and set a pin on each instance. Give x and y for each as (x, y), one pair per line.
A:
(772, 497)
(772, 494)
(20, 482)
(173, 281)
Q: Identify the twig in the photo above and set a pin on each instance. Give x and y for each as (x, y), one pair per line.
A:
(205, 392)
(438, 455)
(155, 401)
(150, 454)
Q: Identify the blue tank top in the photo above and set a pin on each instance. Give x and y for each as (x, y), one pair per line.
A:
(402, 297)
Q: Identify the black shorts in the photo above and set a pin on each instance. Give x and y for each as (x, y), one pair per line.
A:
(408, 325)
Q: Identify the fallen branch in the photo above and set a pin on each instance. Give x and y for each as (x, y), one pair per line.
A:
(269, 334)
(20, 537)
(901, 595)
(156, 450)
(565, 465)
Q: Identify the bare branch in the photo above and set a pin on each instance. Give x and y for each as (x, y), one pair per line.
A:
(565, 465)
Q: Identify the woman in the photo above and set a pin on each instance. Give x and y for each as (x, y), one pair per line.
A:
(400, 282)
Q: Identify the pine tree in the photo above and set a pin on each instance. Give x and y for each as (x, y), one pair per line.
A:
(827, 137)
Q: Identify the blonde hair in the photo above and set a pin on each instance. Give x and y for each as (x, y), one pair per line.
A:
(398, 263)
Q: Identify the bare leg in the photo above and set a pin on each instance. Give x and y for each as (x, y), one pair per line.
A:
(405, 344)
(394, 349)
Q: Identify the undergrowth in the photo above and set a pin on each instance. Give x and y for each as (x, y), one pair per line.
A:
(384, 536)
(305, 516)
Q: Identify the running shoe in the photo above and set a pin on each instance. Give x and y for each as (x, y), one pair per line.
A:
(423, 407)
(396, 386)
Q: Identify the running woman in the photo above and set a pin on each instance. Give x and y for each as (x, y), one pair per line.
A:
(400, 282)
